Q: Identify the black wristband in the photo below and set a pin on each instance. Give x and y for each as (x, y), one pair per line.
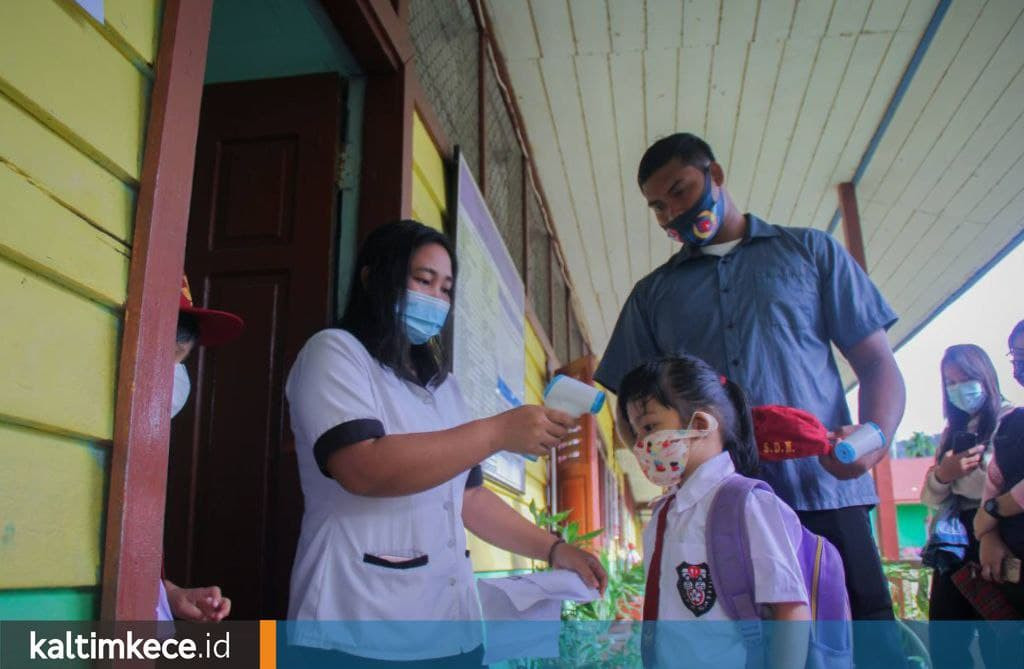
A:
(991, 507)
(551, 551)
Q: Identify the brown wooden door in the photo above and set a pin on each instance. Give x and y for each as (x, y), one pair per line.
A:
(578, 476)
(261, 243)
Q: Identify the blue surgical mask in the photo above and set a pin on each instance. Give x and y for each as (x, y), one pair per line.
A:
(699, 224)
(181, 388)
(967, 396)
(424, 316)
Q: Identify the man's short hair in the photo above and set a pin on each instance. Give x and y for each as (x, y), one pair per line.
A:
(687, 148)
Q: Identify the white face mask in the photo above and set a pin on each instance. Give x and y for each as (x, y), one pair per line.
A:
(182, 386)
(663, 454)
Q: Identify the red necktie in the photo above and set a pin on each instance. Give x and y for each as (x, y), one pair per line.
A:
(654, 577)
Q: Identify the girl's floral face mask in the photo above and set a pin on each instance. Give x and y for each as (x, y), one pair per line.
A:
(662, 455)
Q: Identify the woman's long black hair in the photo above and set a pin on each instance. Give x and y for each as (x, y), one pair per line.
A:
(688, 384)
(376, 305)
(975, 364)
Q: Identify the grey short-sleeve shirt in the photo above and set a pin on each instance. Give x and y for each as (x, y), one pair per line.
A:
(764, 315)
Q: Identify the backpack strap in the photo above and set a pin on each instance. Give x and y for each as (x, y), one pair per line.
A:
(728, 549)
(728, 546)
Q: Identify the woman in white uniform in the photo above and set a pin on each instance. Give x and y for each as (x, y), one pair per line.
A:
(389, 463)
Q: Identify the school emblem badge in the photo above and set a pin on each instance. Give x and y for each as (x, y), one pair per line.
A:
(695, 587)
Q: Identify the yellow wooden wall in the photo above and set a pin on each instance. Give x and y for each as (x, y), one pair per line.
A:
(74, 99)
(428, 190)
(487, 558)
(606, 422)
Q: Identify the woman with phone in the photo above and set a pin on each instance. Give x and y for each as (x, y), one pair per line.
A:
(972, 404)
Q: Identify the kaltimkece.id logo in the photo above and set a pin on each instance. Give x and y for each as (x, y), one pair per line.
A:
(34, 644)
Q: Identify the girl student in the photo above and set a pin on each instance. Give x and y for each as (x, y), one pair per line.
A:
(691, 430)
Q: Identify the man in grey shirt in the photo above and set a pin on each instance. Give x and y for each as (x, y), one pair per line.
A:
(762, 304)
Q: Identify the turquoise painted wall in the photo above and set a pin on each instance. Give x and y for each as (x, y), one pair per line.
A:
(262, 39)
(911, 521)
(47, 604)
(911, 525)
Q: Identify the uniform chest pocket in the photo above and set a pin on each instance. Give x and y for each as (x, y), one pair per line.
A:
(786, 297)
(401, 579)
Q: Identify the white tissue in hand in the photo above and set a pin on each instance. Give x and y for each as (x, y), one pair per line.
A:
(511, 604)
(536, 596)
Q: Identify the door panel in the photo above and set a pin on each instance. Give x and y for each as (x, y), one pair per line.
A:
(262, 234)
(578, 475)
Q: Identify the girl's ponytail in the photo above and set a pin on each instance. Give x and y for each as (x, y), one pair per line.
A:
(741, 444)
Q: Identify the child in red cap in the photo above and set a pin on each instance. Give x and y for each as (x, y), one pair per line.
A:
(205, 327)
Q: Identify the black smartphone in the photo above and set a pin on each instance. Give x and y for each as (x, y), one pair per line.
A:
(964, 441)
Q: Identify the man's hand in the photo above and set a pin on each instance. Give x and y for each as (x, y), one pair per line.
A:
(843, 470)
(882, 395)
(198, 605)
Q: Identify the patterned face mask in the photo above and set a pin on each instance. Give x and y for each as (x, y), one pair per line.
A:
(699, 224)
(662, 455)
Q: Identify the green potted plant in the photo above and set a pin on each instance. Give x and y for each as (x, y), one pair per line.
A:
(594, 633)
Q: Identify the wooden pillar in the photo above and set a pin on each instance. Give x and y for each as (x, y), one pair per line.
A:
(481, 111)
(138, 469)
(525, 207)
(377, 33)
(888, 536)
(386, 180)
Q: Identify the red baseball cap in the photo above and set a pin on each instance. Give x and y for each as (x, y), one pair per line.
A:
(215, 327)
(785, 433)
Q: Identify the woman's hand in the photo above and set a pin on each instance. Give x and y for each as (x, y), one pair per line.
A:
(491, 518)
(954, 466)
(590, 569)
(197, 605)
(992, 553)
(983, 522)
(530, 429)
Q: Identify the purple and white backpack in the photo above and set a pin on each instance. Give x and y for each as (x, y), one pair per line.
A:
(728, 549)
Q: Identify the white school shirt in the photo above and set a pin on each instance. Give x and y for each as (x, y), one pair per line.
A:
(773, 548)
(375, 558)
(163, 605)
